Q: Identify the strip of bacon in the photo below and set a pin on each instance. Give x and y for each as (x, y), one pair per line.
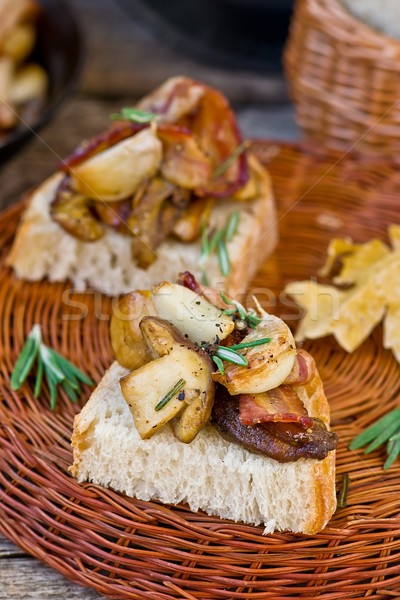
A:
(280, 404)
(303, 369)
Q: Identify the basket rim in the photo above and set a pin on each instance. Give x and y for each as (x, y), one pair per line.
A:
(338, 22)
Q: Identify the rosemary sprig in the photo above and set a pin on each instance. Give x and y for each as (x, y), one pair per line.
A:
(249, 316)
(224, 166)
(217, 242)
(135, 115)
(51, 366)
(384, 431)
(219, 363)
(231, 354)
(251, 344)
(344, 491)
(180, 384)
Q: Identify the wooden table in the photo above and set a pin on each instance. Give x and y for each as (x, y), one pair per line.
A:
(123, 61)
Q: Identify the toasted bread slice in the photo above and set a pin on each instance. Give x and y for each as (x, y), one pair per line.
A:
(210, 473)
(43, 249)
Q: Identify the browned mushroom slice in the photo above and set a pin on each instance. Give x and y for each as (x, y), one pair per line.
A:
(145, 221)
(184, 163)
(114, 215)
(152, 393)
(126, 337)
(72, 212)
(188, 226)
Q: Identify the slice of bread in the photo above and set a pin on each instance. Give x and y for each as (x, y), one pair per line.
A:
(210, 473)
(43, 249)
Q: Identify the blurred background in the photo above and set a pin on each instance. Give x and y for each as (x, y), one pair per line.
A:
(131, 46)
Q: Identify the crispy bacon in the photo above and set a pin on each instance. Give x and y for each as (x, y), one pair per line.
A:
(203, 136)
(215, 128)
(207, 114)
(280, 404)
(303, 369)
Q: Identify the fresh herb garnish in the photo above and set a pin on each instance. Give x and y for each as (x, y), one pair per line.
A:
(223, 258)
(50, 365)
(231, 354)
(384, 431)
(224, 166)
(342, 496)
(249, 316)
(169, 395)
(219, 363)
(216, 242)
(251, 344)
(135, 115)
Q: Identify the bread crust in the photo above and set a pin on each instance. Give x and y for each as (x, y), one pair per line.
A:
(313, 396)
(42, 249)
(313, 499)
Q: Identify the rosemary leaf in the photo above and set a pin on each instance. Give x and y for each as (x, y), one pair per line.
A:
(225, 298)
(50, 364)
(39, 377)
(393, 451)
(204, 278)
(71, 371)
(253, 320)
(52, 383)
(215, 240)
(241, 310)
(342, 498)
(231, 356)
(376, 429)
(70, 390)
(232, 225)
(169, 395)
(223, 258)
(205, 244)
(250, 344)
(224, 166)
(219, 364)
(26, 358)
(135, 115)
(383, 436)
(229, 311)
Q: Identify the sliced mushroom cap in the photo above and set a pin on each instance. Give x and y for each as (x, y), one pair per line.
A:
(192, 314)
(72, 212)
(127, 341)
(180, 360)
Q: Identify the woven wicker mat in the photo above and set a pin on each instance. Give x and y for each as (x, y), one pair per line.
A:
(131, 549)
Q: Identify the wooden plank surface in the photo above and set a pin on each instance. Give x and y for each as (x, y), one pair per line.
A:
(123, 62)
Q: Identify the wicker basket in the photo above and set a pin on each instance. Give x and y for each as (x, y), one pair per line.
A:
(128, 549)
(344, 78)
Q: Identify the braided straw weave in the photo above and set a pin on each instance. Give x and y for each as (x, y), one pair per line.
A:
(128, 549)
(344, 78)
